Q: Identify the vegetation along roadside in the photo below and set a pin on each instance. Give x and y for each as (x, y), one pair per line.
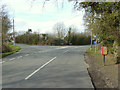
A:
(14, 50)
(103, 76)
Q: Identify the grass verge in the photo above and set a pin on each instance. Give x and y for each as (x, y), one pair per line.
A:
(14, 48)
(110, 70)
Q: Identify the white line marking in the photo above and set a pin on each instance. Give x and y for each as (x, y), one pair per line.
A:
(12, 59)
(65, 51)
(39, 68)
(43, 51)
(26, 54)
(61, 47)
(2, 62)
(17, 52)
(20, 57)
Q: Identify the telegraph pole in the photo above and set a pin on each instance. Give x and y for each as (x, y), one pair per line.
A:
(13, 32)
(92, 30)
(91, 37)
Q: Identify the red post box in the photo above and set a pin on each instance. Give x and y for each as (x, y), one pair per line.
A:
(103, 50)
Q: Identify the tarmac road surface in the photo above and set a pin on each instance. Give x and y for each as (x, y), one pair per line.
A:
(46, 67)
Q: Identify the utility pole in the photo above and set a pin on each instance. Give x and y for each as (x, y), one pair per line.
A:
(13, 32)
(91, 37)
(92, 30)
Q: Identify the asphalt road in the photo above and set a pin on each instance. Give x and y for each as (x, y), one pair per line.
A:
(46, 67)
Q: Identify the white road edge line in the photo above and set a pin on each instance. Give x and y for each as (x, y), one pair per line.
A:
(39, 68)
(12, 59)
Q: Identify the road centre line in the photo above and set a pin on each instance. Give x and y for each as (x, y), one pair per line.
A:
(39, 68)
(12, 59)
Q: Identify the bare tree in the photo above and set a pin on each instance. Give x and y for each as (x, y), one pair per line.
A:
(60, 30)
(6, 23)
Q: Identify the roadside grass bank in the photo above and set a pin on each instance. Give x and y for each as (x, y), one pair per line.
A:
(102, 76)
(14, 50)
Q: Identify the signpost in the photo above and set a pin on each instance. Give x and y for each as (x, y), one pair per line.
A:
(95, 42)
(103, 52)
(91, 37)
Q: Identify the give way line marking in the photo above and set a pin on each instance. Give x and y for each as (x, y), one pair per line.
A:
(2, 62)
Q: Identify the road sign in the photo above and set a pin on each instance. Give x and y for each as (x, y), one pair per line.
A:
(95, 45)
(94, 42)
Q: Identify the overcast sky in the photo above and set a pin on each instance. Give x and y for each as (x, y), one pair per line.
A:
(30, 14)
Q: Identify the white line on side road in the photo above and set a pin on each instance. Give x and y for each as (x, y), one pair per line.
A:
(61, 47)
(65, 51)
(2, 62)
(42, 51)
(26, 54)
(39, 68)
(20, 57)
(17, 52)
(12, 59)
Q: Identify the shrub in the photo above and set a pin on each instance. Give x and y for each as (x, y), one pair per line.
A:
(6, 48)
(111, 50)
